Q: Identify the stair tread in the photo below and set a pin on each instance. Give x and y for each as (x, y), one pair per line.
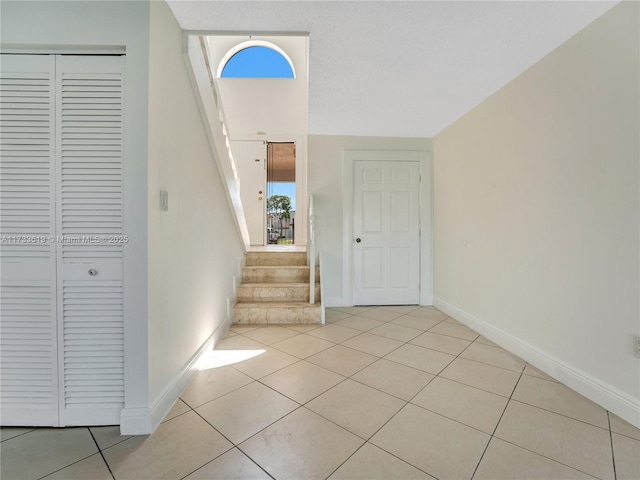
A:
(275, 284)
(276, 304)
(298, 267)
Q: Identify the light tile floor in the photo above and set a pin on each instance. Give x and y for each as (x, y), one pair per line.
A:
(376, 393)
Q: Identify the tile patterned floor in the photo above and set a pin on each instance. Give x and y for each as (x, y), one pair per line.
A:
(376, 393)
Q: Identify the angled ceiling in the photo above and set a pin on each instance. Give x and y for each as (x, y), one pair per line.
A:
(402, 68)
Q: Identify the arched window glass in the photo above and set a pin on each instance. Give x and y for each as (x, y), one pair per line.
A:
(257, 62)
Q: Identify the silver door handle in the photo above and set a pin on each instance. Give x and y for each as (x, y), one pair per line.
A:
(93, 272)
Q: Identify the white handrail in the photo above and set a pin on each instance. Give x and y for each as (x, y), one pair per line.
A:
(312, 252)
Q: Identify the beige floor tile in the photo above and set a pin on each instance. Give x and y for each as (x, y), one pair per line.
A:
(458, 331)
(471, 406)
(302, 381)
(395, 379)
(403, 309)
(372, 344)
(359, 323)
(268, 362)
(453, 321)
(534, 372)
(480, 375)
(626, 453)
(419, 323)
(176, 448)
(441, 343)
(571, 442)
(350, 310)
(108, 436)
(244, 328)
(397, 332)
(271, 334)
(239, 342)
(302, 328)
(178, 409)
(230, 334)
(372, 463)
(486, 341)
(429, 312)
(44, 451)
(331, 316)
(232, 465)
(246, 411)
(439, 446)
(302, 345)
(213, 383)
(334, 333)
(356, 407)
(618, 425)
(495, 356)
(560, 399)
(423, 359)
(381, 315)
(91, 468)
(342, 360)
(504, 461)
(9, 432)
(302, 445)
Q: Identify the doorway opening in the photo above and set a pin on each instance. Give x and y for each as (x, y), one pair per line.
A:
(281, 192)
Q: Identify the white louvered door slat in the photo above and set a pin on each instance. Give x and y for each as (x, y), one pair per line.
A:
(28, 342)
(90, 222)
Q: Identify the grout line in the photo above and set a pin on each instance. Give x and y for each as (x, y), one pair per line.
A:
(613, 453)
(102, 454)
(559, 414)
(496, 427)
(19, 435)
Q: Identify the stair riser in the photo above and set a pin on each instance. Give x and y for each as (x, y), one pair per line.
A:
(276, 294)
(279, 259)
(277, 275)
(276, 315)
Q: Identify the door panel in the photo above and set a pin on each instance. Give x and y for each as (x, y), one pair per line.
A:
(387, 222)
(250, 159)
(28, 343)
(90, 253)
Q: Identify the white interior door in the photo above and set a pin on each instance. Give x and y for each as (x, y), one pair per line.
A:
(28, 342)
(61, 322)
(89, 214)
(250, 159)
(386, 228)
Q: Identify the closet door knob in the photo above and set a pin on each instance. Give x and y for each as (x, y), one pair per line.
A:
(93, 272)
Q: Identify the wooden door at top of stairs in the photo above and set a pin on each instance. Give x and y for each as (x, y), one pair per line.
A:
(61, 330)
(386, 228)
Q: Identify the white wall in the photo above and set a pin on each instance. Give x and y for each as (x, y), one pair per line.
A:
(537, 213)
(325, 172)
(194, 246)
(72, 27)
(272, 105)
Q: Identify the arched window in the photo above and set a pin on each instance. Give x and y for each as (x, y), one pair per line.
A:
(256, 59)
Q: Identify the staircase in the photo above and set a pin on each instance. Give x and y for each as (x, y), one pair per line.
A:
(275, 290)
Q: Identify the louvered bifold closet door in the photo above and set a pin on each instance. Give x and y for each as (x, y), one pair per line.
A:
(28, 343)
(90, 222)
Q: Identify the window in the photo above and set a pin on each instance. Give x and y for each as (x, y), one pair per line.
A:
(256, 59)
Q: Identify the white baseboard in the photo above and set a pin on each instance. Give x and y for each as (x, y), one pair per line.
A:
(593, 388)
(143, 421)
(329, 302)
(135, 421)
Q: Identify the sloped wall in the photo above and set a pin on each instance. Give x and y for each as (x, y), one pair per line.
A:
(194, 246)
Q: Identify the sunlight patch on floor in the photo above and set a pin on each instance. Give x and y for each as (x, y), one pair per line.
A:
(220, 358)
